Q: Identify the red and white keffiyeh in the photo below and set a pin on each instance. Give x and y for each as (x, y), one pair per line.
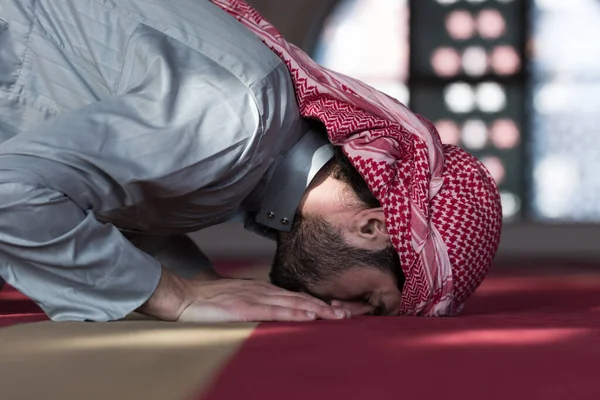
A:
(441, 205)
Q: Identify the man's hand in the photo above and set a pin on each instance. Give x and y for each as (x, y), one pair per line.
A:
(224, 300)
(251, 300)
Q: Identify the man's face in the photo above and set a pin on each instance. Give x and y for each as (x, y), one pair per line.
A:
(315, 258)
(362, 290)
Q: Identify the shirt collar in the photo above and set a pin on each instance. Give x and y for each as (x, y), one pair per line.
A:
(287, 181)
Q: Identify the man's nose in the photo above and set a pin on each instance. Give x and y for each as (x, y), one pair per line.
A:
(394, 311)
(392, 304)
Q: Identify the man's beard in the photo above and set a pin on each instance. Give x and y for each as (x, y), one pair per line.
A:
(315, 251)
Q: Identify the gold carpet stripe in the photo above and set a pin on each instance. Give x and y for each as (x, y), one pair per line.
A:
(129, 360)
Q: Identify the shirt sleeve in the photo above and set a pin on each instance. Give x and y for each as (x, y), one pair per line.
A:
(60, 256)
(176, 123)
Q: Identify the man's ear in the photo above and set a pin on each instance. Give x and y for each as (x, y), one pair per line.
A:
(368, 228)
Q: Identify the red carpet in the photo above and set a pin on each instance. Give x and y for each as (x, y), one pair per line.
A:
(533, 335)
(17, 309)
(520, 338)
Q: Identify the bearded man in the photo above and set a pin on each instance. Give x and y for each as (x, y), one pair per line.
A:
(125, 124)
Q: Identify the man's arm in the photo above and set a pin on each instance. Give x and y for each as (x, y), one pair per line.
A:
(74, 267)
(176, 125)
(168, 300)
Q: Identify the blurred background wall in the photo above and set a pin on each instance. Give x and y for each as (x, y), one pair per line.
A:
(515, 82)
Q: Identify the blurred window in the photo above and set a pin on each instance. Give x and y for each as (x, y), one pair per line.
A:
(368, 40)
(457, 62)
(565, 107)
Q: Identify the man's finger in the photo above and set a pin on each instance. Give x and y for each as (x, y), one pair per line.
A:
(305, 296)
(299, 303)
(355, 307)
(264, 312)
(277, 291)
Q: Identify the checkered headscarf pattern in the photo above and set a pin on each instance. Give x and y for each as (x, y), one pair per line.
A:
(442, 207)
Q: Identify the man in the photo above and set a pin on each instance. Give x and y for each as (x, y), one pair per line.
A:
(123, 118)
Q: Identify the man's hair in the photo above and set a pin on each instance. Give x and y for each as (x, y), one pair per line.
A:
(315, 250)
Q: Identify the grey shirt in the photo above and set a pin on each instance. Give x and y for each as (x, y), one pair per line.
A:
(126, 115)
